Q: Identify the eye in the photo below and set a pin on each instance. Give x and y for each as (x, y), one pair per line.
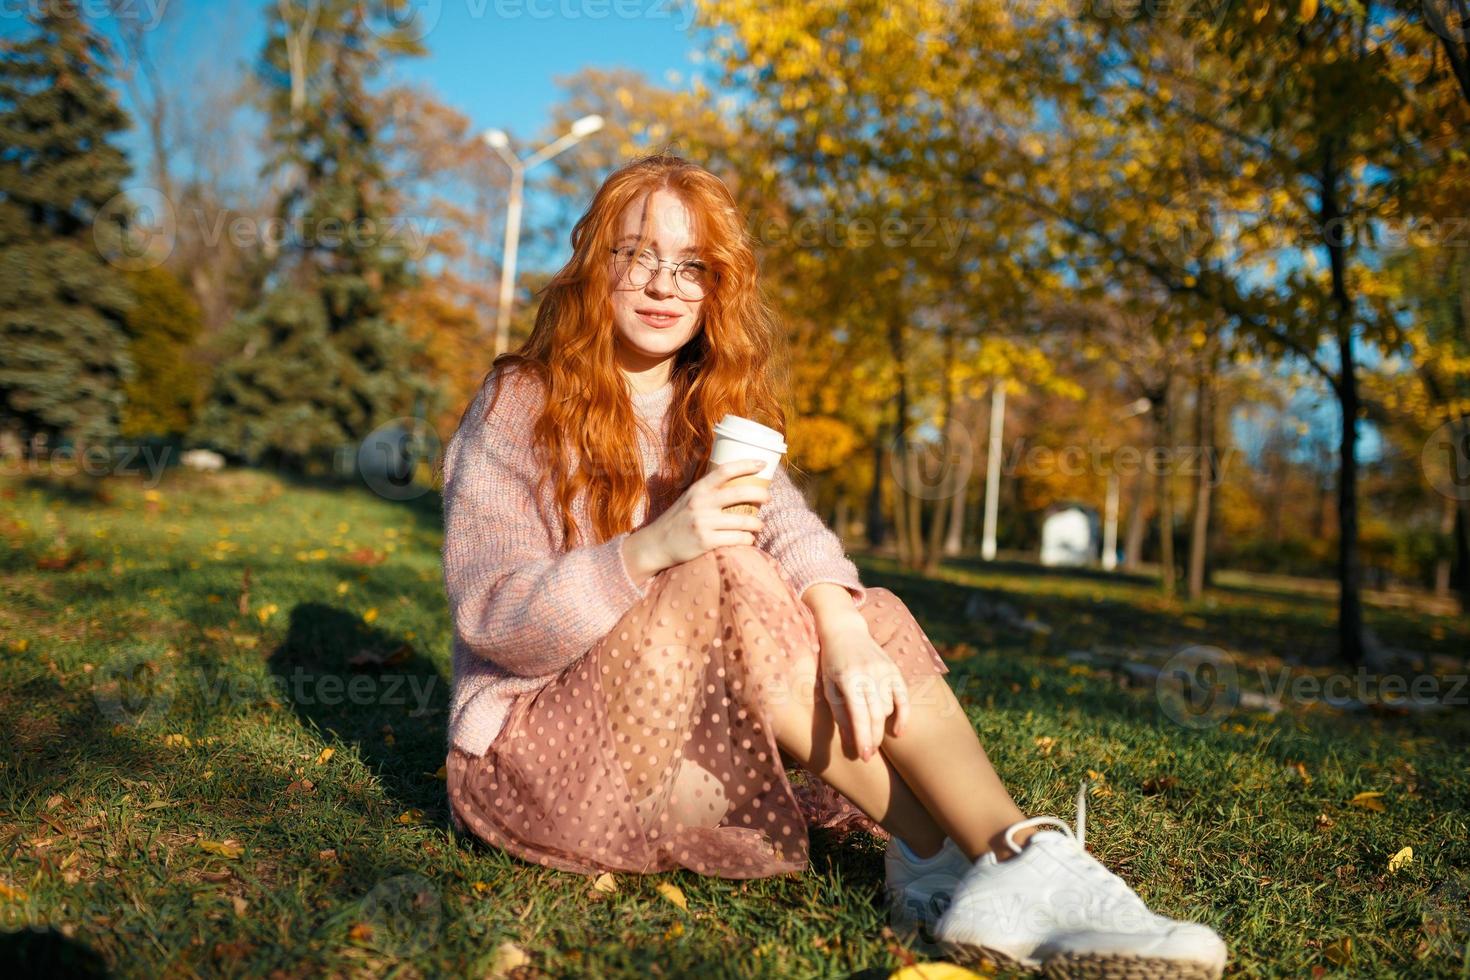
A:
(694, 271)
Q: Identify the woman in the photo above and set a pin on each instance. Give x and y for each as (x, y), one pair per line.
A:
(635, 663)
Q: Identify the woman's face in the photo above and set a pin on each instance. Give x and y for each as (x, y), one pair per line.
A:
(653, 321)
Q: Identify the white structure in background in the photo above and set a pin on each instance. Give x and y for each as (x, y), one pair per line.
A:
(498, 141)
(204, 460)
(1069, 537)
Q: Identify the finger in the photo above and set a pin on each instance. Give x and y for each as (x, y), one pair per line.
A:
(862, 719)
(836, 703)
(901, 707)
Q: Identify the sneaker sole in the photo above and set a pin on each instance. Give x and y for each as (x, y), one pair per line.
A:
(1070, 967)
(1065, 966)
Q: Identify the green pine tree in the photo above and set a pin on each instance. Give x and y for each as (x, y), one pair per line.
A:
(65, 359)
(318, 363)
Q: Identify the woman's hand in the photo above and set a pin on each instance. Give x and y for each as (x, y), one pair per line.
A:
(698, 522)
(862, 684)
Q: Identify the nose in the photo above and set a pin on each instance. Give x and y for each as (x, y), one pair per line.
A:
(655, 286)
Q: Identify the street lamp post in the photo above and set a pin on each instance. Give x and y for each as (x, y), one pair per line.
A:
(497, 140)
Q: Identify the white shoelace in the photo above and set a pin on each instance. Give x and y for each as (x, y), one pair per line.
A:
(1079, 835)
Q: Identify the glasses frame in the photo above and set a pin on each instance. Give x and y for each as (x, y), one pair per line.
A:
(626, 274)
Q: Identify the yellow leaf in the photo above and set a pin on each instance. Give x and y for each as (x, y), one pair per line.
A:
(411, 816)
(605, 883)
(508, 957)
(371, 615)
(934, 971)
(443, 773)
(673, 894)
(1369, 801)
(224, 848)
(674, 931)
(1401, 860)
(1339, 952)
(1307, 9)
(324, 755)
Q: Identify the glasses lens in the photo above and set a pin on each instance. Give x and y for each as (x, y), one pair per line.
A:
(690, 278)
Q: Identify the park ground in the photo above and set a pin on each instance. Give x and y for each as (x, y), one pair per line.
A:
(205, 770)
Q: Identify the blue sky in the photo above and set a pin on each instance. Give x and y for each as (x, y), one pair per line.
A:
(497, 61)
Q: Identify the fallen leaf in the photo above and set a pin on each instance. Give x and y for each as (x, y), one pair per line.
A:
(300, 786)
(934, 971)
(1339, 951)
(1371, 800)
(360, 931)
(672, 893)
(224, 848)
(324, 755)
(605, 883)
(508, 957)
(1401, 860)
(411, 816)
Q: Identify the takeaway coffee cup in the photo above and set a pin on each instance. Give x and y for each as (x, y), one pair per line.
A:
(740, 438)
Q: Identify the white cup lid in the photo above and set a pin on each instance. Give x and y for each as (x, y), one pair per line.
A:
(751, 432)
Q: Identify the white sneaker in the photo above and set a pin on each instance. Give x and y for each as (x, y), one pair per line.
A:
(1054, 907)
(918, 889)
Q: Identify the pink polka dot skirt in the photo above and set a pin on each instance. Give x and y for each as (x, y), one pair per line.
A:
(653, 752)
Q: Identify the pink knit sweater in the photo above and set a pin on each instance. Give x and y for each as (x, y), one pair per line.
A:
(523, 607)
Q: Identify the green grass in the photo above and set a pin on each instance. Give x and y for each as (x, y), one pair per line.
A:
(113, 800)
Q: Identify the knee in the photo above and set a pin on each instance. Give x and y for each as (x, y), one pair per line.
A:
(710, 571)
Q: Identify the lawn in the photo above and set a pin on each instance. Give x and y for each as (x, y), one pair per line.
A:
(223, 708)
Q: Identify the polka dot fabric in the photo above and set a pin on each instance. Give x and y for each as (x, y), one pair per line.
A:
(653, 752)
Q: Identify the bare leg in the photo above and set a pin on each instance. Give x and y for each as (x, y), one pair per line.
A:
(941, 757)
(805, 728)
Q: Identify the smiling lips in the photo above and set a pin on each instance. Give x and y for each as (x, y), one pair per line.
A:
(657, 318)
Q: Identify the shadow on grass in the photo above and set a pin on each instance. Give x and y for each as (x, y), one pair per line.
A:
(372, 688)
(44, 952)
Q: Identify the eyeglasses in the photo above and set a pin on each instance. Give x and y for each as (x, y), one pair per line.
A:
(691, 277)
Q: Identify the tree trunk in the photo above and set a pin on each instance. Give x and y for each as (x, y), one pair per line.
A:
(1137, 526)
(948, 467)
(877, 528)
(1445, 565)
(1199, 532)
(1349, 565)
(959, 501)
(1163, 438)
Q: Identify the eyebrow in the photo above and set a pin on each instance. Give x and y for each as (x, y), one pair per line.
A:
(634, 238)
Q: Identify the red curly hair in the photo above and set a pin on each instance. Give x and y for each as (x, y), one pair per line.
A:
(735, 363)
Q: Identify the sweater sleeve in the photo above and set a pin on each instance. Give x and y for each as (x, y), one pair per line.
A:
(806, 548)
(512, 598)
